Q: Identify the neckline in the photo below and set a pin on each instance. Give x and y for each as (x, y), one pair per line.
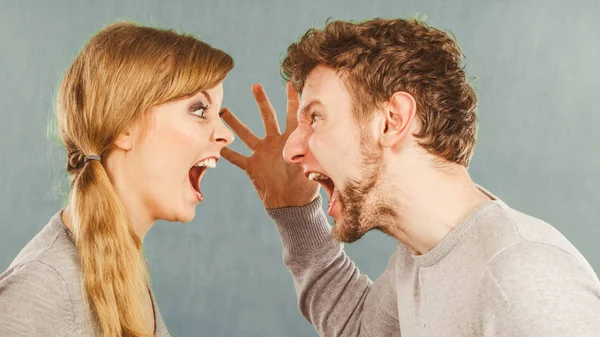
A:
(456, 234)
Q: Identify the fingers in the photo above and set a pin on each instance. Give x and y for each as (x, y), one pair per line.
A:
(292, 107)
(234, 158)
(245, 134)
(266, 110)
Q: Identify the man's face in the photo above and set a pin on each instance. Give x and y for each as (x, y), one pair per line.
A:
(340, 154)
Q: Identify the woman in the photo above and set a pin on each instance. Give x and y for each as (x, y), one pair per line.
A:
(138, 113)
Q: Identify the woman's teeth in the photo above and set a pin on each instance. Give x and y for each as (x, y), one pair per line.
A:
(210, 162)
(197, 171)
(317, 176)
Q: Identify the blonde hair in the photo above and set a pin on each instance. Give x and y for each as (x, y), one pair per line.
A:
(119, 74)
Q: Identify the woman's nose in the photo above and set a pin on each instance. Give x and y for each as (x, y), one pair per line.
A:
(222, 134)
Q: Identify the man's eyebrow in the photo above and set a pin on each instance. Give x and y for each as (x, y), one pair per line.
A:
(308, 106)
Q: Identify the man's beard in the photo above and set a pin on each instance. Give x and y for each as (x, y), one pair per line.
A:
(363, 205)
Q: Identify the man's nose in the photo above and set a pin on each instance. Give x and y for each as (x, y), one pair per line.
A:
(295, 149)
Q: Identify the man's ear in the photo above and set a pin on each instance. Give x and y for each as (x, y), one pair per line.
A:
(399, 113)
(125, 140)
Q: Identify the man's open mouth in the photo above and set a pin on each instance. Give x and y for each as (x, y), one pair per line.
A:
(327, 184)
(197, 172)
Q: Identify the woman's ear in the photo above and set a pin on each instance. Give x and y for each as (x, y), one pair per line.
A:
(399, 114)
(125, 140)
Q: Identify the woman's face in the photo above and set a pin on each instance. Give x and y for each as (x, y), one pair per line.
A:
(178, 142)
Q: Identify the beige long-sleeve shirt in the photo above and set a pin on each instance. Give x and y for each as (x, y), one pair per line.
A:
(497, 273)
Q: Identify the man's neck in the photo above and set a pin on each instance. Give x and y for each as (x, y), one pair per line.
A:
(432, 201)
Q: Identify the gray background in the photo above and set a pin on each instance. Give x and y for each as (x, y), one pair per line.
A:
(536, 64)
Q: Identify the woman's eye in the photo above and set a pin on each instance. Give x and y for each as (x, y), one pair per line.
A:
(200, 111)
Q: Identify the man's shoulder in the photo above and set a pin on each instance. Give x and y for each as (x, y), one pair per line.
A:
(502, 226)
(533, 229)
(537, 251)
(536, 236)
(529, 259)
(535, 283)
(503, 229)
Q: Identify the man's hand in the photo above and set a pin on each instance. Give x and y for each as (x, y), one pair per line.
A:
(277, 183)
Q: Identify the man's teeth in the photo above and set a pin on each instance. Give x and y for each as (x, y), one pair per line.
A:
(317, 176)
(210, 162)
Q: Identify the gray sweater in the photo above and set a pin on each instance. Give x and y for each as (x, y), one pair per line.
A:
(41, 293)
(498, 273)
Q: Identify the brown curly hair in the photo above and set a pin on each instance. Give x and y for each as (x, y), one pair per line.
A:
(379, 57)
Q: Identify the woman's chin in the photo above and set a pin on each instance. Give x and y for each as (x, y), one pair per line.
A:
(184, 212)
(188, 215)
(184, 215)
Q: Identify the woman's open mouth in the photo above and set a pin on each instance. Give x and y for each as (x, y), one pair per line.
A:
(197, 172)
(328, 185)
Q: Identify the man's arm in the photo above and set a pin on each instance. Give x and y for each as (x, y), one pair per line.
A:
(332, 293)
(543, 291)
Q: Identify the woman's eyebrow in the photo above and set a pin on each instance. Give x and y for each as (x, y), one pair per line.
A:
(207, 96)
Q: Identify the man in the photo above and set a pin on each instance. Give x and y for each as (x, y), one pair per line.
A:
(386, 124)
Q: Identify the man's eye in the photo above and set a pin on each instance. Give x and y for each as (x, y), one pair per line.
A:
(314, 117)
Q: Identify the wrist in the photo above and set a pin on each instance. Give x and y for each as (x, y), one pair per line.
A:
(283, 202)
(276, 204)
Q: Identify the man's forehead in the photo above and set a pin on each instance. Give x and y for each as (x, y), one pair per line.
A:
(315, 87)
(320, 77)
(321, 86)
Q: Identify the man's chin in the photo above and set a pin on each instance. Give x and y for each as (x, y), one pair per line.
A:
(342, 232)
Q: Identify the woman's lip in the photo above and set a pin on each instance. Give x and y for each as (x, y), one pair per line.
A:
(195, 179)
(198, 195)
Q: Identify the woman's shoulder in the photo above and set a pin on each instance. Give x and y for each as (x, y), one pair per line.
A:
(53, 245)
(37, 290)
(49, 258)
(35, 300)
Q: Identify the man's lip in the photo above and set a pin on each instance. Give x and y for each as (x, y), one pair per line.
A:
(307, 172)
(327, 184)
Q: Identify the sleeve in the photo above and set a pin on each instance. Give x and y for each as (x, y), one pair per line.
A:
(332, 293)
(35, 301)
(543, 291)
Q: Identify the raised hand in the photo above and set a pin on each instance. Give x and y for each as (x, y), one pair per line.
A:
(277, 183)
